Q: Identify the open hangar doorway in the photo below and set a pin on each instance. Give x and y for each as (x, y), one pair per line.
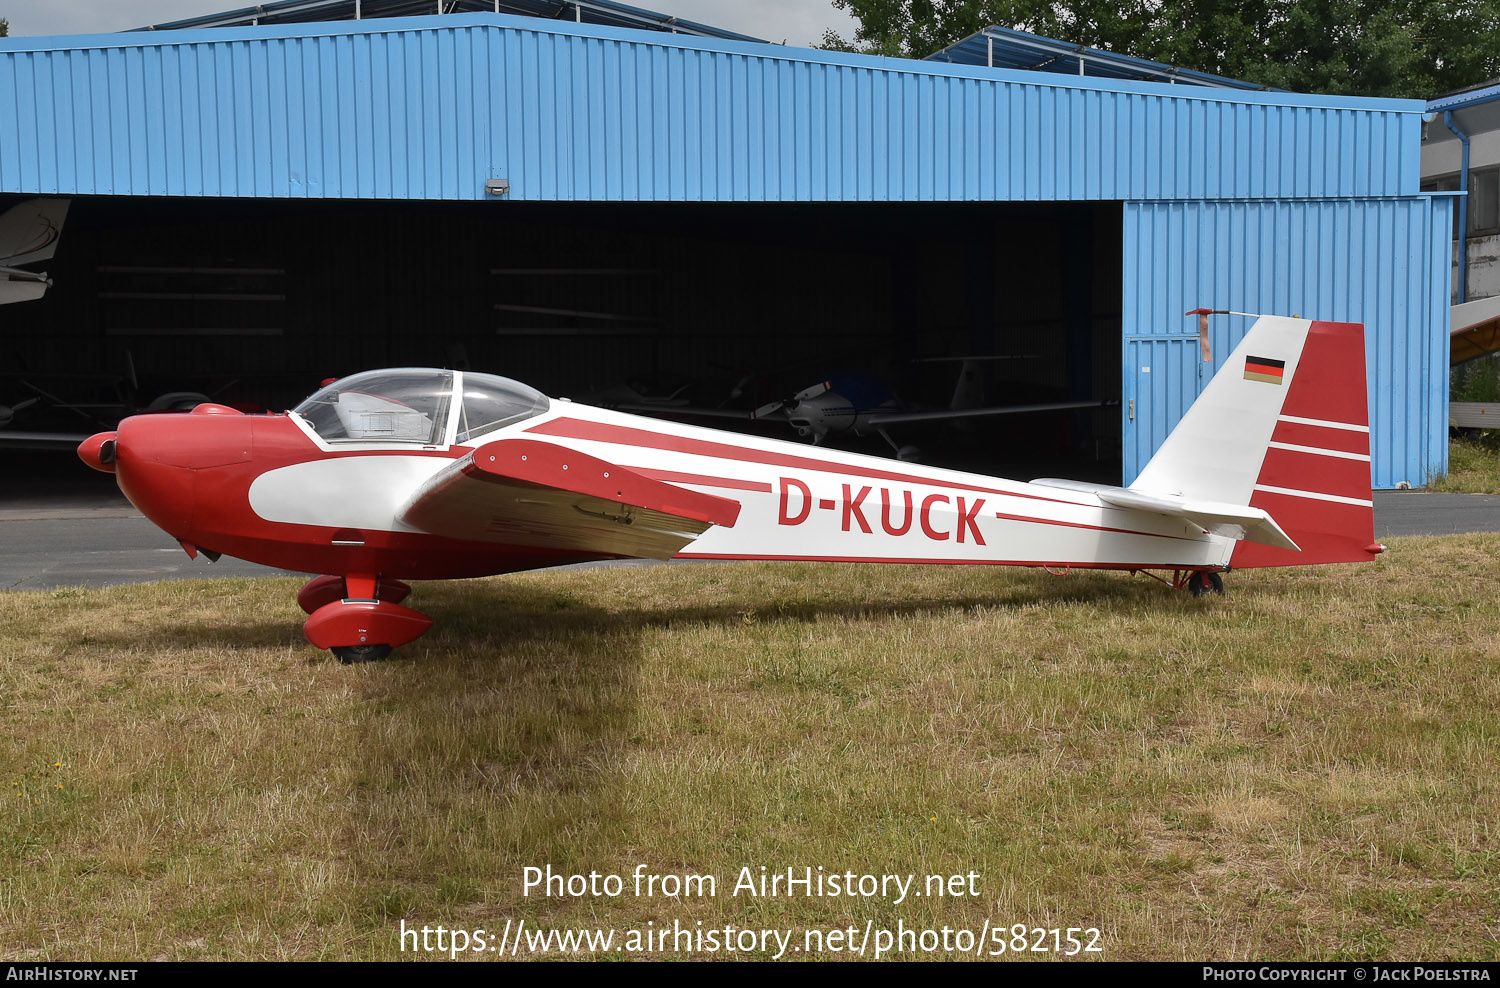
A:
(718, 305)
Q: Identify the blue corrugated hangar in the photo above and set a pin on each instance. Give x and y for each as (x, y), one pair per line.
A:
(575, 193)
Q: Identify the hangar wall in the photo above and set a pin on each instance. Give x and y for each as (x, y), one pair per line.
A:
(1382, 262)
(431, 107)
(1231, 198)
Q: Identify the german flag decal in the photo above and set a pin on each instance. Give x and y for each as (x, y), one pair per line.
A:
(1264, 369)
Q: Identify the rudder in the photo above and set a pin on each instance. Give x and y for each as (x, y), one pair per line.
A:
(1315, 476)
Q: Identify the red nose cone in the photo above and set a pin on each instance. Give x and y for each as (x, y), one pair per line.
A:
(98, 451)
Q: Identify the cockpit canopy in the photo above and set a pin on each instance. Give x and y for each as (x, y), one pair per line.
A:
(414, 405)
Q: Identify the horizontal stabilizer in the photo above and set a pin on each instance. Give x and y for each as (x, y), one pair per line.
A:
(1235, 521)
(22, 286)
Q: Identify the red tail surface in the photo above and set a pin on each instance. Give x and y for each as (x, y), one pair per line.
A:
(1315, 477)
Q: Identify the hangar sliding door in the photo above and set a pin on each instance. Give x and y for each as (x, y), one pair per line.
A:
(1383, 262)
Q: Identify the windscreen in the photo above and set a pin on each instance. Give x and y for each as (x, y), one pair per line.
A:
(406, 405)
(491, 403)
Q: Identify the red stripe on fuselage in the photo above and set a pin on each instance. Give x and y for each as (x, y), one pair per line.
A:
(1097, 528)
(1322, 437)
(926, 561)
(674, 477)
(625, 436)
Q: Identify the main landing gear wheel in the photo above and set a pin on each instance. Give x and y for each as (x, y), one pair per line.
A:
(352, 654)
(363, 628)
(1201, 583)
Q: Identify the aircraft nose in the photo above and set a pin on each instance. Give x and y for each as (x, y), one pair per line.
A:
(157, 462)
(98, 451)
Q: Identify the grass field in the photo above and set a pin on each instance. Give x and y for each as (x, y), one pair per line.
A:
(1473, 466)
(1304, 768)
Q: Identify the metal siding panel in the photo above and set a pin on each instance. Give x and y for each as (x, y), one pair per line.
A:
(63, 108)
(678, 162)
(442, 152)
(155, 136)
(117, 116)
(858, 113)
(214, 124)
(611, 137)
(185, 171)
(429, 101)
(839, 156)
(919, 180)
(1435, 298)
(51, 131)
(1379, 261)
(810, 157)
(428, 108)
(11, 125)
(134, 142)
(330, 150)
(1045, 117)
(287, 105)
(254, 146)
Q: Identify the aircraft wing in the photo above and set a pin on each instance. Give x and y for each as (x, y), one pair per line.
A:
(533, 493)
(58, 440)
(1474, 330)
(29, 231)
(949, 414)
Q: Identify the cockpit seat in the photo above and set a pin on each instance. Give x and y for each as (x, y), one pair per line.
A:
(367, 416)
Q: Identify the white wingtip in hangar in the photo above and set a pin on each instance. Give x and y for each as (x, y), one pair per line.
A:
(29, 232)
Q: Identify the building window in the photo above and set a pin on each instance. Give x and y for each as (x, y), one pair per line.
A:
(1484, 199)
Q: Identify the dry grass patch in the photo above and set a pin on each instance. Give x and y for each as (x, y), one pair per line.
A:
(1473, 466)
(1304, 768)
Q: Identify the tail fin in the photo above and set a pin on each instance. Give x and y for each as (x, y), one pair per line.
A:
(1283, 426)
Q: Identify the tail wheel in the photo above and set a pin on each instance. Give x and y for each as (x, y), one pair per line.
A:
(1202, 582)
(353, 654)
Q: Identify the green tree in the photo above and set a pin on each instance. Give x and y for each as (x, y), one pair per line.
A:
(1411, 48)
(4, 28)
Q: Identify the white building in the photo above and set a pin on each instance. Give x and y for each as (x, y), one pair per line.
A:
(1462, 134)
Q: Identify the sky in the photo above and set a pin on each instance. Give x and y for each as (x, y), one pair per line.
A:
(797, 22)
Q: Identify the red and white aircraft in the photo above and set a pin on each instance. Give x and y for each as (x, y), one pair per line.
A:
(420, 474)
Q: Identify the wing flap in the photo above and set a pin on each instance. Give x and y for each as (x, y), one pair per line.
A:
(527, 492)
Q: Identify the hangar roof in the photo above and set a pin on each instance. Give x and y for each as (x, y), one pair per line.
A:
(1476, 110)
(604, 12)
(1001, 47)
